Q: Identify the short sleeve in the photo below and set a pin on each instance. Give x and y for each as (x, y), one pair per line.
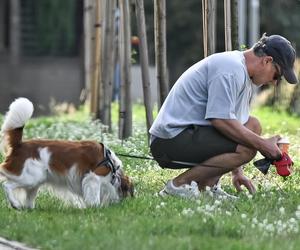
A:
(222, 97)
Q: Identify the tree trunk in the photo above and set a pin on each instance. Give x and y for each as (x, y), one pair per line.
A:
(88, 35)
(96, 78)
(295, 100)
(143, 47)
(125, 113)
(211, 26)
(107, 67)
(209, 9)
(234, 25)
(227, 23)
(161, 49)
(204, 27)
(254, 22)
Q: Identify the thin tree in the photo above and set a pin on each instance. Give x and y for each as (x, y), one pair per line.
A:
(294, 106)
(211, 26)
(107, 66)
(209, 9)
(96, 77)
(204, 27)
(125, 113)
(234, 25)
(143, 48)
(88, 19)
(227, 23)
(161, 49)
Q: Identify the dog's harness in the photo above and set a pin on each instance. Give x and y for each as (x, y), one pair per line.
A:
(107, 162)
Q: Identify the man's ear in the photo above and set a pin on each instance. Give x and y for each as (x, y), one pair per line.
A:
(268, 59)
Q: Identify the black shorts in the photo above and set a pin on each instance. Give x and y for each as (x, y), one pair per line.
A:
(195, 144)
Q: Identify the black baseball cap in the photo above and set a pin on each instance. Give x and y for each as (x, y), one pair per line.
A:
(283, 54)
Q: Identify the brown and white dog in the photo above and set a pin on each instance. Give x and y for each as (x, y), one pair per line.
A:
(86, 168)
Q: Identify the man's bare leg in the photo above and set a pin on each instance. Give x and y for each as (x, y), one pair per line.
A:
(209, 172)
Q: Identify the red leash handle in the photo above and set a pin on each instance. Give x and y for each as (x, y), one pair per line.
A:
(284, 165)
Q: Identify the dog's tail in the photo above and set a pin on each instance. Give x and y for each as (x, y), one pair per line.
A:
(20, 111)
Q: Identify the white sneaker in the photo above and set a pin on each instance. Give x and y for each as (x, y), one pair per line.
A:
(217, 191)
(184, 191)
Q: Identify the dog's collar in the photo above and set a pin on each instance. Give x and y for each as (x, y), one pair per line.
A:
(108, 162)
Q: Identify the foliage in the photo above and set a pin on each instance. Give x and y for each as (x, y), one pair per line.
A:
(184, 28)
(268, 220)
(51, 25)
(281, 18)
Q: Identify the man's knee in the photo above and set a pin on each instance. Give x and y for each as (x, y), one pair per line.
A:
(254, 125)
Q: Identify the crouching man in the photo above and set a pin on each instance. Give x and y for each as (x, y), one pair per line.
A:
(204, 124)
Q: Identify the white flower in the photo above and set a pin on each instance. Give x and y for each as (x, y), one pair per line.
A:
(250, 196)
(244, 216)
(228, 213)
(254, 220)
(162, 204)
(198, 202)
(207, 188)
(187, 212)
(270, 227)
(209, 208)
(281, 210)
(217, 202)
(297, 213)
(199, 209)
(260, 225)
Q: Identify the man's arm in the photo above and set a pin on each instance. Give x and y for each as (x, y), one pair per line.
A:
(234, 130)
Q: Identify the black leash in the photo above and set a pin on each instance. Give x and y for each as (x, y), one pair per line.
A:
(177, 162)
(136, 156)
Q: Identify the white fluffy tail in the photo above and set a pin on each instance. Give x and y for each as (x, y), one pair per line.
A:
(18, 114)
(20, 111)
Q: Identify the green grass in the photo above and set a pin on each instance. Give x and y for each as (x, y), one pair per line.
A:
(268, 220)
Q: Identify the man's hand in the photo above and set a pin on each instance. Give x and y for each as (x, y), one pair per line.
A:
(239, 179)
(270, 148)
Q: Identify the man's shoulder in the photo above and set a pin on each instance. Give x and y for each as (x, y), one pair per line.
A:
(231, 62)
(228, 57)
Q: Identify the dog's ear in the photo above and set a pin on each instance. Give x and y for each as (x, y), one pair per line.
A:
(127, 186)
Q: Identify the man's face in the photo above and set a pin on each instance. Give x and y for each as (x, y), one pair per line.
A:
(269, 72)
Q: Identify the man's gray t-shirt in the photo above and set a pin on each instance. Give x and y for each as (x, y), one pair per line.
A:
(216, 87)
